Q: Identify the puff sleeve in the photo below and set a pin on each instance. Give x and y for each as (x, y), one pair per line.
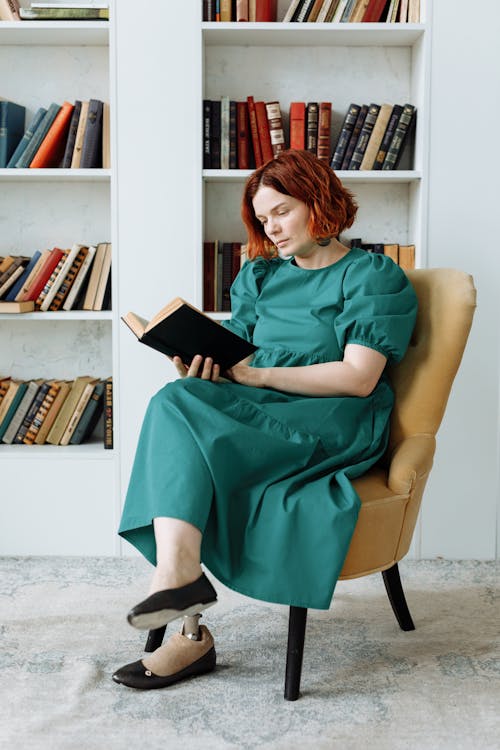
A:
(380, 307)
(244, 292)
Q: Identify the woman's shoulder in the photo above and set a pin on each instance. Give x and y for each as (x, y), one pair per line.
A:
(260, 267)
(374, 270)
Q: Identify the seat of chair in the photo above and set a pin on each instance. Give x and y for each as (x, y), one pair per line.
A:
(376, 537)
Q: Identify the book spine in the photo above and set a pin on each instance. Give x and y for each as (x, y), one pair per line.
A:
(265, 10)
(276, 131)
(288, 17)
(91, 156)
(374, 11)
(49, 284)
(243, 135)
(26, 158)
(80, 279)
(17, 419)
(233, 136)
(43, 409)
(32, 412)
(254, 131)
(387, 138)
(12, 118)
(236, 260)
(219, 276)
(242, 10)
(298, 125)
(70, 142)
(51, 150)
(225, 11)
(207, 116)
(376, 137)
(303, 11)
(90, 416)
(224, 133)
(396, 148)
(264, 134)
(28, 135)
(345, 135)
(313, 15)
(227, 266)
(108, 414)
(208, 276)
(364, 136)
(68, 280)
(215, 135)
(77, 414)
(312, 127)
(9, 10)
(324, 129)
(11, 296)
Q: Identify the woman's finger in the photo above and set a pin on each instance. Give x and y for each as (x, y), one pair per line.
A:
(179, 366)
(194, 366)
(206, 372)
(215, 373)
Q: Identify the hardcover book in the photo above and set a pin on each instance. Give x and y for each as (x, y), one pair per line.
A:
(70, 141)
(345, 135)
(11, 129)
(376, 137)
(180, 329)
(43, 128)
(28, 135)
(51, 149)
(298, 125)
(364, 136)
(91, 156)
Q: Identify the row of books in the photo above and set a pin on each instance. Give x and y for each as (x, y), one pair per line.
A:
(403, 255)
(58, 412)
(314, 11)
(10, 10)
(244, 134)
(353, 11)
(70, 136)
(221, 263)
(78, 278)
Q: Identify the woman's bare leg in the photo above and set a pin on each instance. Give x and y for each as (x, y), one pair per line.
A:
(178, 552)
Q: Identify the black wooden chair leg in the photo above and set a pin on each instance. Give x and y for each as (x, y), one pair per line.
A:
(155, 639)
(397, 599)
(295, 651)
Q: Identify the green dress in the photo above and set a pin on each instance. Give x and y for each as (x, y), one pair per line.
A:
(266, 475)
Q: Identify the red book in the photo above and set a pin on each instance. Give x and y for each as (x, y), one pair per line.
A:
(208, 276)
(243, 130)
(266, 10)
(55, 256)
(298, 125)
(374, 10)
(324, 126)
(51, 149)
(236, 264)
(254, 131)
(264, 132)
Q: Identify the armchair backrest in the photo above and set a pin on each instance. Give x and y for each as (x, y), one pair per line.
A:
(422, 380)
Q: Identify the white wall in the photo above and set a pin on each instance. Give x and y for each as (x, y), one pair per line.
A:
(462, 504)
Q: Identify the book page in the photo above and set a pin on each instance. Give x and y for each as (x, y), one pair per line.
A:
(136, 324)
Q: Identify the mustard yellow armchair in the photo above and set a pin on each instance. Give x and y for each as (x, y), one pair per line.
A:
(392, 491)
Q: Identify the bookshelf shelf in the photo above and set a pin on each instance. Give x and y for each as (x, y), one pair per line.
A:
(52, 316)
(394, 177)
(91, 451)
(55, 33)
(317, 34)
(55, 175)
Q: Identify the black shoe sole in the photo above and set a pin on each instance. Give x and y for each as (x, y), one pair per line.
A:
(143, 679)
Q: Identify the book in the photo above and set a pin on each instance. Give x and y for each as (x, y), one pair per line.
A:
(375, 140)
(9, 10)
(21, 411)
(208, 276)
(48, 398)
(312, 111)
(23, 293)
(91, 154)
(108, 413)
(395, 150)
(207, 112)
(90, 417)
(349, 6)
(77, 413)
(12, 117)
(51, 150)
(242, 10)
(364, 136)
(46, 270)
(339, 11)
(266, 10)
(11, 400)
(180, 329)
(387, 138)
(233, 136)
(80, 278)
(61, 421)
(358, 11)
(392, 251)
(80, 132)
(51, 280)
(28, 135)
(104, 278)
(303, 11)
(374, 11)
(218, 275)
(53, 409)
(254, 131)
(406, 257)
(264, 132)
(294, 4)
(35, 141)
(64, 14)
(413, 11)
(31, 413)
(68, 279)
(9, 278)
(70, 141)
(392, 13)
(324, 128)
(227, 272)
(345, 135)
(276, 130)
(16, 288)
(106, 136)
(243, 129)
(325, 9)
(88, 302)
(61, 272)
(215, 135)
(224, 132)
(314, 12)
(225, 11)
(403, 11)
(298, 125)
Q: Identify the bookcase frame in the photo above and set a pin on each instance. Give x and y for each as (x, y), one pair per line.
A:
(220, 45)
(58, 511)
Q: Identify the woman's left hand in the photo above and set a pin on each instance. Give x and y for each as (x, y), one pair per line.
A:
(243, 374)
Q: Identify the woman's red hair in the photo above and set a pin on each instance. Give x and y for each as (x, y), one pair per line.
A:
(308, 179)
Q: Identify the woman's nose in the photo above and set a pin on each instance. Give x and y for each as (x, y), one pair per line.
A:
(272, 225)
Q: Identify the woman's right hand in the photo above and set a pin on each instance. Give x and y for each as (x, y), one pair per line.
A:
(199, 368)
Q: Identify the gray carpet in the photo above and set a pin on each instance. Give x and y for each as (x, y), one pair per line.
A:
(365, 682)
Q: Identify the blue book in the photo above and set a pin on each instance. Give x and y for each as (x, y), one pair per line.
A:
(12, 408)
(12, 118)
(19, 283)
(28, 135)
(38, 136)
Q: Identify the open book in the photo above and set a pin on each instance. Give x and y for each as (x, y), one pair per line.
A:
(179, 328)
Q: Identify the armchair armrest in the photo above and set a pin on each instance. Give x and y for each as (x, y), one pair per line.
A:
(411, 459)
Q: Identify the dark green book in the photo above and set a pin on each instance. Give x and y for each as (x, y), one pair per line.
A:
(12, 408)
(12, 117)
(38, 136)
(90, 417)
(28, 135)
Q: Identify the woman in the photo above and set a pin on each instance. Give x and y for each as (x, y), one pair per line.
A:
(252, 475)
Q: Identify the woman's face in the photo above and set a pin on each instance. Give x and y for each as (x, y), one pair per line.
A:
(285, 221)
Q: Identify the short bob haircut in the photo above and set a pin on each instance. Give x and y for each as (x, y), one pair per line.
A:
(309, 179)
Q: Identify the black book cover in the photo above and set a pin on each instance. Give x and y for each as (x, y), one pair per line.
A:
(92, 138)
(354, 136)
(345, 135)
(70, 142)
(389, 132)
(364, 136)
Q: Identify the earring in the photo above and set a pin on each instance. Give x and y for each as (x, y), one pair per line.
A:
(323, 241)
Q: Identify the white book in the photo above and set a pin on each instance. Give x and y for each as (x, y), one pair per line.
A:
(224, 132)
(80, 278)
(340, 11)
(103, 279)
(60, 277)
(323, 11)
(63, 4)
(291, 10)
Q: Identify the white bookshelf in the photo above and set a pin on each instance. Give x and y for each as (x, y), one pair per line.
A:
(61, 500)
(341, 63)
